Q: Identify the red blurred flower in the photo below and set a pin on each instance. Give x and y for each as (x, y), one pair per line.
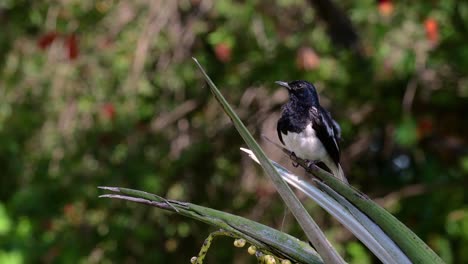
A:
(425, 127)
(46, 40)
(307, 59)
(223, 52)
(71, 44)
(432, 30)
(108, 111)
(385, 7)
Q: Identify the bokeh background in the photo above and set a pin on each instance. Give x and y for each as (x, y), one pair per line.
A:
(105, 93)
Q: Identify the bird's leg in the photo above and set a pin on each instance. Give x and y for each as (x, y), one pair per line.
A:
(294, 157)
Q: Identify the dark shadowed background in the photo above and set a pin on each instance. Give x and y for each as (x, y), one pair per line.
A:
(105, 93)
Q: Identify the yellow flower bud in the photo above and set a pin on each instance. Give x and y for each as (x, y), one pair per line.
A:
(252, 250)
(239, 242)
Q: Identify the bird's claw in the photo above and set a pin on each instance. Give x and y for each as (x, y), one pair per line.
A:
(311, 163)
(293, 157)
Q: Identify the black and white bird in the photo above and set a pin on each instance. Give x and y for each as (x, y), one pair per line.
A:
(307, 129)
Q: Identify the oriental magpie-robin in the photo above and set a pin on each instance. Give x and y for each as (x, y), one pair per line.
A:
(307, 129)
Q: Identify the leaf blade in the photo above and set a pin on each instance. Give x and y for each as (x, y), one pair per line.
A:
(260, 235)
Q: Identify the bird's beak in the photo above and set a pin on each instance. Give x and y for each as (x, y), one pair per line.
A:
(284, 84)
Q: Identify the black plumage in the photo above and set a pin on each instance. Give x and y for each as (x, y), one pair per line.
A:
(303, 109)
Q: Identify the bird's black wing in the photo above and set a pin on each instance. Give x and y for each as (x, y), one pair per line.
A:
(336, 127)
(325, 129)
(281, 126)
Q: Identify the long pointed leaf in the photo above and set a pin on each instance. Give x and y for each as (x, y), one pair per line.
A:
(261, 236)
(353, 219)
(407, 240)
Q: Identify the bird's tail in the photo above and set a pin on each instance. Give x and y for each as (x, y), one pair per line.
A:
(338, 173)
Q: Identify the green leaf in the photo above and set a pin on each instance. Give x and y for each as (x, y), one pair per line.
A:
(406, 132)
(259, 235)
(349, 216)
(407, 240)
(5, 221)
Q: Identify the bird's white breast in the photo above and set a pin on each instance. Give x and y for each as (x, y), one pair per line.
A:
(305, 144)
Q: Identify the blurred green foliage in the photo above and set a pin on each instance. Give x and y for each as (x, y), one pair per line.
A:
(105, 93)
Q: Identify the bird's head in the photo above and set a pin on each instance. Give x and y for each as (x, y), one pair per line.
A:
(302, 91)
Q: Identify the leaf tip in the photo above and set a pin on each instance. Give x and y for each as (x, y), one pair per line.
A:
(112, 189)
(251, 154)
